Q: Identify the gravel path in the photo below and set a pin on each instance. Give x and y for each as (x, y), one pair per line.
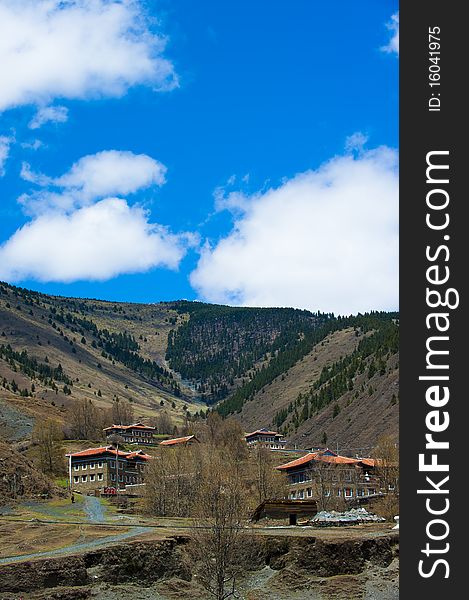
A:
(94, 509)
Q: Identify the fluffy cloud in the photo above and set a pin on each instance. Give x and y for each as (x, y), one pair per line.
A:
(5, 143)
(95, 242)
(77, 49)
(106, 173)
(79, 230)
(49, 114)
(325, 239)
(393, 44)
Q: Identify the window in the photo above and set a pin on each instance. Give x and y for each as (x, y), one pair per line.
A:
(293, 495)
(83, 466)
(327, 493)
(76, 467)
(360, 492)
(92, 477)
(76, 479)
(371, 491)
(100, 476)
(100, 464)
(339, 492)
(112, 463)
(84, 478)
(309, 492)
(301, 494)
(113, 477)
(121, 478)
(348, 492)
(92, 465)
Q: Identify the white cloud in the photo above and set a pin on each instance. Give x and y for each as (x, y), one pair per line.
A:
(32, 145)
(5, 143)
(77, 49)
(79, 230)
(325, 239)
(95, 242)
(393, 44)
(356, 142)
(111, 172)
(49, 114)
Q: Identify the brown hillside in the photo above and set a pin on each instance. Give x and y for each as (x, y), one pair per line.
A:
(27, 326)
(361, 421)
(260, 411)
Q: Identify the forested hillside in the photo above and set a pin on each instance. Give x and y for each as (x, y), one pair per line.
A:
(344, 392)
(313, 376)
(221, 347)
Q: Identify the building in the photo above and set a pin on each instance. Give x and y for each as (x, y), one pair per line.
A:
(266, 438)
(105, 468)
(331, 478)
(291, 510)
(138, 433)
(181, 441)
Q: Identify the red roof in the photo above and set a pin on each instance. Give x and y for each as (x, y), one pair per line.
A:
(134, 426)
(319, 456)
(108, 450)
(181, 440)
(299, 461)
(263, 432)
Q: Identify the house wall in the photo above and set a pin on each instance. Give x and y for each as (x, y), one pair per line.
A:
(332, 485)
(133, 436)
(91, 476)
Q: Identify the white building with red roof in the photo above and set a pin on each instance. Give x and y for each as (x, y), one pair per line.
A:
(137, 433)
(266, 438)
(331, 478)
(106, 469)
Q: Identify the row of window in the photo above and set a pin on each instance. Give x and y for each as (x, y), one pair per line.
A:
(303, 477)
(100, 477)
(84, 478)
(128, 478)
(347, 493)
(91, 465)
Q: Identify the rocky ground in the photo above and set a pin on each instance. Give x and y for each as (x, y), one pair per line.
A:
(351, 567)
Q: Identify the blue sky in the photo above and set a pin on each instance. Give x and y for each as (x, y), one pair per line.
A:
(244, 108)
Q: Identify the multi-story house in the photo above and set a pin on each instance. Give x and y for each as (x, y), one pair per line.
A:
(266, 438)
(331, 478)
(105, 468)
(137, 433)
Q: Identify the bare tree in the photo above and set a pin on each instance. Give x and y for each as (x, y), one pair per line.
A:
(325, 478)
(163, 423)
(269, 483)
(85, 420)
(122, 412)
(219, 513)
(386, 469)
(48, 437)
(172, 481)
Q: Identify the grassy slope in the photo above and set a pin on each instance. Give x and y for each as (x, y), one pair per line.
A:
(361, 421)
(260, 411)
(34, 334)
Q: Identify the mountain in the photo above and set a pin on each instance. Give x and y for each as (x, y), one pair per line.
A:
(307, 374)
